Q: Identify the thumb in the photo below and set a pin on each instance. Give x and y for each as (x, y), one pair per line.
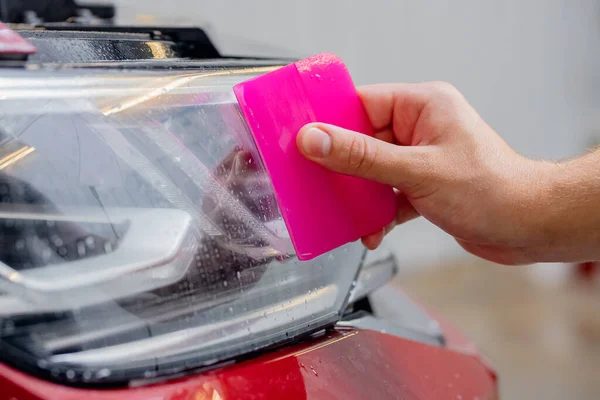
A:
(361, 155)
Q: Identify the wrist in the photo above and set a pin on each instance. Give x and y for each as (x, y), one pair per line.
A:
(569, 207)
(537, 211)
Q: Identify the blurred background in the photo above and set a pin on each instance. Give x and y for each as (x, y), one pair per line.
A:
(532, 69)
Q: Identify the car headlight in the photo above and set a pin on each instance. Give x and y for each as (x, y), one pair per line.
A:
(139, 233)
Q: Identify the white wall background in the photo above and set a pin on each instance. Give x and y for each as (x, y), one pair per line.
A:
(531, 67)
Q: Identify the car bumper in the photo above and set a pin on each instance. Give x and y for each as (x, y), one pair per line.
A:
(342, 364)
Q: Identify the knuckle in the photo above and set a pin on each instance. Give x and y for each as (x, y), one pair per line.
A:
(359, 154)
(446, 89)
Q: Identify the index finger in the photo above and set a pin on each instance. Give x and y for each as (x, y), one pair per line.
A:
(395, 107)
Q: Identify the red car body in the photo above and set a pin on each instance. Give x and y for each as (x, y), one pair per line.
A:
(342, 364)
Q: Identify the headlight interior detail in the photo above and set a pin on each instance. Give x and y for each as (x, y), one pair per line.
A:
(139, 230)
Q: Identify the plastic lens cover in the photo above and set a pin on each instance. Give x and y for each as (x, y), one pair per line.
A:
(139, 233)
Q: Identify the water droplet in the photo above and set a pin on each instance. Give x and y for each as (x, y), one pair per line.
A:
(20, 244)
(225, 284)
(56, 241)
(457, 376)
(103, 373)
(313, 370)
(81, 249)
(70, 374)
(87, 375)
(90, 242)
(459, 396)
(230, 309)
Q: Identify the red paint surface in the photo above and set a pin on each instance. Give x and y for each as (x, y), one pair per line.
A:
(344, 365)
(587, 271)
(12, 43)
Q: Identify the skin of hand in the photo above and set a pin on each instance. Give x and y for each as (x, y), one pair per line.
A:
(449, 166)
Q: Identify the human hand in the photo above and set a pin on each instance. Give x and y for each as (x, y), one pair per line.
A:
(447, 165)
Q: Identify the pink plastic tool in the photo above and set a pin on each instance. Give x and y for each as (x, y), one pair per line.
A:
(322, 209)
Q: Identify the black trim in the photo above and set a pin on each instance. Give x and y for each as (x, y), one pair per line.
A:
(170, 64)
(192, 42)
(120, 378)
(363, 304)
(364, 320)
(13, 11)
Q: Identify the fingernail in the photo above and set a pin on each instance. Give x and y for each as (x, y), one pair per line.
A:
(316, 143)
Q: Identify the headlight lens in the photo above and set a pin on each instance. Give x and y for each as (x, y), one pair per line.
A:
(139, 234)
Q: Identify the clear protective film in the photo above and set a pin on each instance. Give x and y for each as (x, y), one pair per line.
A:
(139, 232)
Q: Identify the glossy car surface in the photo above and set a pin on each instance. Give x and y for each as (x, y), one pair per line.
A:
(342, 364)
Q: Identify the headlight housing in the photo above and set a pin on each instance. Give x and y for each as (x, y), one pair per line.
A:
(139, 233)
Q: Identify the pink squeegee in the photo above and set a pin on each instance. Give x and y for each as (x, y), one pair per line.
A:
(322, 209)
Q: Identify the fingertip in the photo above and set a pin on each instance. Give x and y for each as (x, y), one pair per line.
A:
(369, 243)
(373, 241)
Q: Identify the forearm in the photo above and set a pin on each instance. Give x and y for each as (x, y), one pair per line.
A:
(454, 170)
(572, 220)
